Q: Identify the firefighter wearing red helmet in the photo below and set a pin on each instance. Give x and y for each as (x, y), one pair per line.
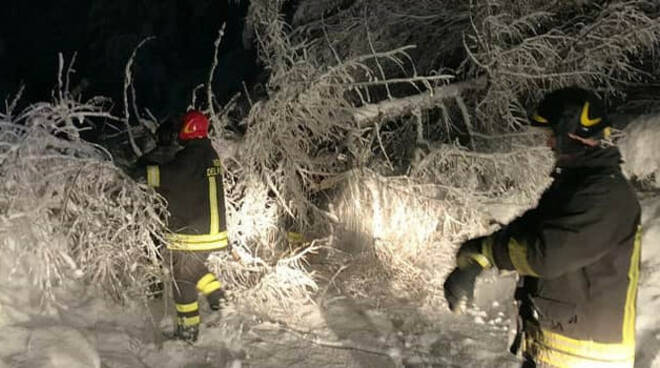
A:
(577, 252)
(192, 185)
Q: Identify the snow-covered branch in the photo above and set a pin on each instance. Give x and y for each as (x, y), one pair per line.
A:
(392, 109)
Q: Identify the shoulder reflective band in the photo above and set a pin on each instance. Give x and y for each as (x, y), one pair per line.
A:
(187, 308)
(188, 321)
(208, 284)
(584, 117)
(204, 242)
(518, 255)
(153, 176)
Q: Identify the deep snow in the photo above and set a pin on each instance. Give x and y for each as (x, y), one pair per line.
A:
(85, 331)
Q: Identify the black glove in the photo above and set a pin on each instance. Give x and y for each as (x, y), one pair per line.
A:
(459, 287)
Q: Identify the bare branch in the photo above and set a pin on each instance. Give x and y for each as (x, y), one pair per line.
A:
(209, 82)
(128, 82)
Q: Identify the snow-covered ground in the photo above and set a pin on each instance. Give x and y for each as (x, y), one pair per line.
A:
(85, 331)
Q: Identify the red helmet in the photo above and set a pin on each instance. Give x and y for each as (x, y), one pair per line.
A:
(195, 125)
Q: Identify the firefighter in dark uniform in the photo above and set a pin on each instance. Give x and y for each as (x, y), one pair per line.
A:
(577, 252)
(192, 185)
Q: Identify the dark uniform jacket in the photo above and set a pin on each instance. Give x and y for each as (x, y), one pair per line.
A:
(579, 253)
(192, 185)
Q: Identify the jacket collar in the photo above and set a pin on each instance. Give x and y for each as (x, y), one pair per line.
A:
(592, 160)
(196, 143)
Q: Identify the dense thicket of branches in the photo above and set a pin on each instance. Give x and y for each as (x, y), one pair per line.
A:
(387, 132)
(66, 211)
(424, 104)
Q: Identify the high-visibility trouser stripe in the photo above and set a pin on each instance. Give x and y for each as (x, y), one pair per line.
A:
(518, 255)
(187, 308)
(153, 176)
(197, 242)
(188, 321)
(208, 284)
(213, 203)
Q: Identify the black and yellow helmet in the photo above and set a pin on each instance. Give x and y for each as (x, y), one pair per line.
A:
(572, 110)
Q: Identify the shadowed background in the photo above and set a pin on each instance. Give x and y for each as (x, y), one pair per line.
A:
(103, 34)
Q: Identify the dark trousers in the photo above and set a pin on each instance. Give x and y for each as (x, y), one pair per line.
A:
(188, 268)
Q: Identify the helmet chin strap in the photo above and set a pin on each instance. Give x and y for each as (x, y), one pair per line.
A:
(590, 142)
(568, 144)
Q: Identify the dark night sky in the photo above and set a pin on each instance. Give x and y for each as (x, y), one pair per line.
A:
(104, 33)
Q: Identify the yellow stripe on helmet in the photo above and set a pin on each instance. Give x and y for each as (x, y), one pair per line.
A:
(584, 117)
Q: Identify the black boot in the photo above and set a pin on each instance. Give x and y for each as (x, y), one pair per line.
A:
(215, 299)
(188, 334)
